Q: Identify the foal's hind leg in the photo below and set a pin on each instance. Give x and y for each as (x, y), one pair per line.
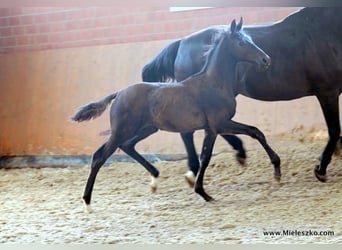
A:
(331, 114)
(99, 158)
(231, 127)
(129, 148)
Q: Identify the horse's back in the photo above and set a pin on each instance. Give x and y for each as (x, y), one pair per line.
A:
(306, 54)
(192, 49)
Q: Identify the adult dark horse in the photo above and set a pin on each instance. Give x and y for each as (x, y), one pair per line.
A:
(204, 101)
(306, 52)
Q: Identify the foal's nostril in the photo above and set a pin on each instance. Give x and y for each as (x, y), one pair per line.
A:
(266, 61)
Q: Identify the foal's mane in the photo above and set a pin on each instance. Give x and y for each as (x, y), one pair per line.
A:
(208, 54)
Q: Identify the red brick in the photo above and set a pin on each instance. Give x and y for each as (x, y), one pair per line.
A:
(102, 22)
(24, 40)
(4, 21)
(24, 20)
(55, 17)
(56, 38)
(102, 11)
(72, 25)
(88, 12)
(86, 24)
(7, 31)
(14, 21)
(40, 18)
(43, 28)
(5, 12)
(58, 27)
(8, 41)
(31, 29)
(41, 39)
(18, 30)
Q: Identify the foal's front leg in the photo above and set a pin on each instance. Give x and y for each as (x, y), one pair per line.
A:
(193, 161)
(207, 150)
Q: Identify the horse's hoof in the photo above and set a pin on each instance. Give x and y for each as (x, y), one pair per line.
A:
(338, 149)
(190, 178)
(320, 177)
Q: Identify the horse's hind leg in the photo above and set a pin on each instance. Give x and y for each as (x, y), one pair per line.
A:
(237, 144)
(331, 114)
(99, 158)
(129, 148)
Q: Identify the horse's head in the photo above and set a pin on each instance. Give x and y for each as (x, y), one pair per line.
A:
(243, 48)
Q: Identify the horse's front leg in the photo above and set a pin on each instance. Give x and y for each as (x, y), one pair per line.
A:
(237, 144)
(232, 127)
(330, 109)
(207, 149)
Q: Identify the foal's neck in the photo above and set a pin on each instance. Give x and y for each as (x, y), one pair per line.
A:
(219, 68)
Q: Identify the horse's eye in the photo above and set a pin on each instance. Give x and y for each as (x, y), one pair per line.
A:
(241, 43)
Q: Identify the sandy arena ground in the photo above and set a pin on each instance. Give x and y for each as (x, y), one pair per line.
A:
(44, 205)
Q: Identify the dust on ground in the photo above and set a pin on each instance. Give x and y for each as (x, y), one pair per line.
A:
(44, 205)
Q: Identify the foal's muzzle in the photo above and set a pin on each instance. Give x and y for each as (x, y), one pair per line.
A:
(264, 63)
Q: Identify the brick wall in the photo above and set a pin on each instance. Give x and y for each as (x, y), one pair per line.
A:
(37, 28)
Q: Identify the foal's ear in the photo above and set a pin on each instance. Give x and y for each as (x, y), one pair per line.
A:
(233, 26)
(239, 26)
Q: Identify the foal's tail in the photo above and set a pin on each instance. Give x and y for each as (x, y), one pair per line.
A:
(93, 109)
(161, 67)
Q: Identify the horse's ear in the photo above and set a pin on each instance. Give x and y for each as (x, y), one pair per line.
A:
(239, 26)
(233, 26)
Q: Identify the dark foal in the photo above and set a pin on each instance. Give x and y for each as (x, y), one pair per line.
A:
(203, 101)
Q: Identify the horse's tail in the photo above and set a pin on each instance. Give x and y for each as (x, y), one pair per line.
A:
(93, 109)
(161, 67)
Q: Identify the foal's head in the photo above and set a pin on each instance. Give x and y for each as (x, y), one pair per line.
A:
(242, 47)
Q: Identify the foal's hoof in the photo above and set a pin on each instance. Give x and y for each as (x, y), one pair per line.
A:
(190, 178)
(241, 161)
(88, 209)
(153, 184)
(277, 177)
(320, 177)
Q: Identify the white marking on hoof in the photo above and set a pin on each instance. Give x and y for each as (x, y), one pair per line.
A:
(190, 178)
(88, 209)
(153, 184)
